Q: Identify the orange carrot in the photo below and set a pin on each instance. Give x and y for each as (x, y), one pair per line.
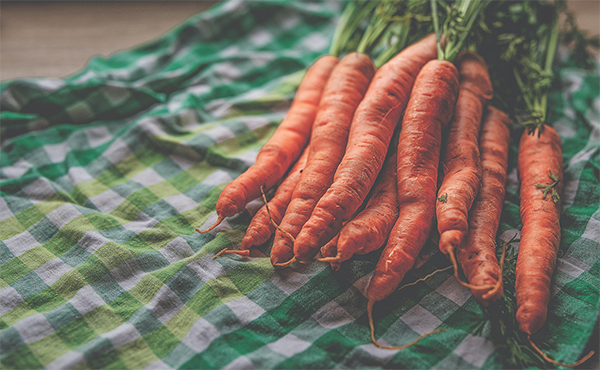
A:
(540, 167)
(461, 161)
(369, 230)
(477, 256)
(429, 110)
(283, 148)
(373, 125)
(342, 94)
(261, 228)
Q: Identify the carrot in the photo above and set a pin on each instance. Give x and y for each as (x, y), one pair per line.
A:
(540, 170)
(373, 125)
(283, 148)
(369, 230)
(477, 256)
(430, 109)
(461, 161)
(261, 228)
(540, 235)
(343, 92)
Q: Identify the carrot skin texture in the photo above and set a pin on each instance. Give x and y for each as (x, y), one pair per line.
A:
(260, 228)
(343, 92)
(540, 235)
(461, 157)
(477, 256)
(429, 110)
(369, 230)
(373, 125)
(284, 147)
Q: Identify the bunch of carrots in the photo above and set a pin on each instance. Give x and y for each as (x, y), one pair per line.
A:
(394, 134)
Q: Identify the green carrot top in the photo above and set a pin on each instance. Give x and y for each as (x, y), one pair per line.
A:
(452, 22)
(381, 29)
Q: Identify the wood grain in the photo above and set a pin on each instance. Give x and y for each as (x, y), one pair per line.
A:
(55, 39)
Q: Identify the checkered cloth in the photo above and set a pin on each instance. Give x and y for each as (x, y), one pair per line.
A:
(105, 175)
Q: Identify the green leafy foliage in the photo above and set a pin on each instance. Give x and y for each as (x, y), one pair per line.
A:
(518, 42)
(453, 22)
(381, 29)
(550, 188)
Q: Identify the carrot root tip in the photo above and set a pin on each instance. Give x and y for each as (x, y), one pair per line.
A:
(370, 305)
(545, 356)
(219, 220)
(450, 251)
(244, 253)
(285, 264)
(328, 259)
(425, 278)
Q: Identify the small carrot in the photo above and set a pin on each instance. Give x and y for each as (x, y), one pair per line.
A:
(429, 110)
(282, 149)
(261, 228)
(373, 125)
(477, 256)
(343, 92)
(369, 230)
(461, 160)
(540, 168)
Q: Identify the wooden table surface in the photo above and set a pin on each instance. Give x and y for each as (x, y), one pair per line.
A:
(56, 38)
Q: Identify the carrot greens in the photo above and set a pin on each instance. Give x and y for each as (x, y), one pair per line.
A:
(452, 22)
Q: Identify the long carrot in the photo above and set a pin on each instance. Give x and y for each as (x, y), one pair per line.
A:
(283, 148)
(261, 228)
(369, 230)
(373, 125)
(540, 169)
(429, 110)
(343, 92)
(540, 235)
(477, 256)
(461, 162)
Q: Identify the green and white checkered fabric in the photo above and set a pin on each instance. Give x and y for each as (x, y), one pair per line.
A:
(105, 175)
